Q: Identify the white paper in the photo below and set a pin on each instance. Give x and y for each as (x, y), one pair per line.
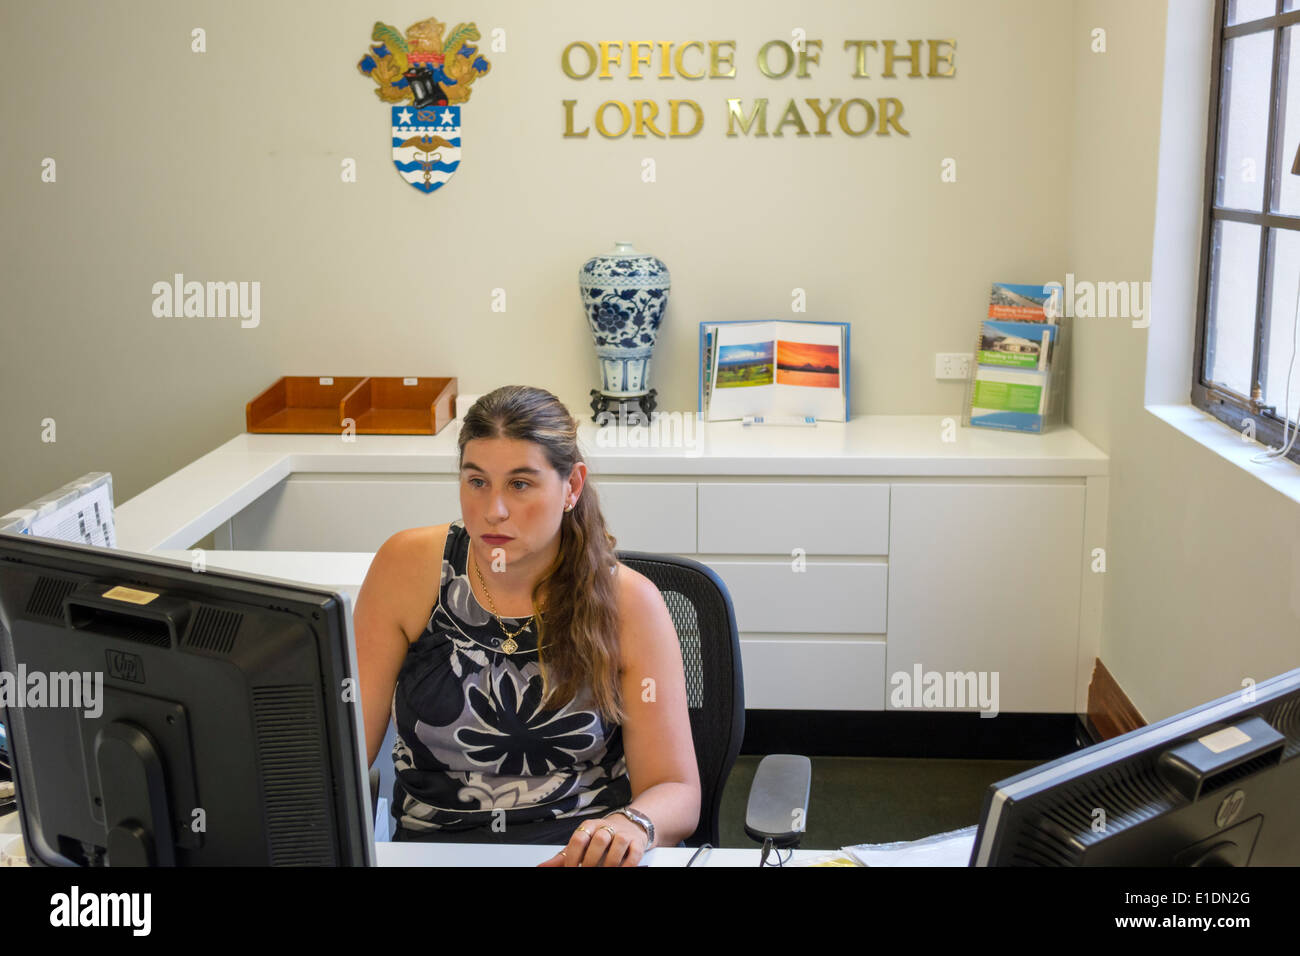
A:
(943, 849)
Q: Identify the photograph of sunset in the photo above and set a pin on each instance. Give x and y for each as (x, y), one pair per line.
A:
(801, 363)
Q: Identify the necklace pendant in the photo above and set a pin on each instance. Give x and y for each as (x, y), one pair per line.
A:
(509, 646)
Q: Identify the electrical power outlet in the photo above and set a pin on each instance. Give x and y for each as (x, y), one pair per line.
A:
(952, 364)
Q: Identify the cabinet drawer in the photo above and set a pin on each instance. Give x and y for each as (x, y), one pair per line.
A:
(810, 674)
(768, 518)
(656, 516)
(824, 598)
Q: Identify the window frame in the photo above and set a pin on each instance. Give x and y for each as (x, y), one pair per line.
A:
(1226, 405)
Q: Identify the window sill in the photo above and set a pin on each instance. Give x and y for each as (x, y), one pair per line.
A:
(1280, 474)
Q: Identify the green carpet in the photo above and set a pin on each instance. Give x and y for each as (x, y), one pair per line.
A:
(875, 800)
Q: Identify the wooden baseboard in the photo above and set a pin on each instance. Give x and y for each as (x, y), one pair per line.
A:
(1110, 712)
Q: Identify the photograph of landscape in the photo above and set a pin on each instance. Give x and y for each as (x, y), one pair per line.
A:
(742, 366)
(802, 363)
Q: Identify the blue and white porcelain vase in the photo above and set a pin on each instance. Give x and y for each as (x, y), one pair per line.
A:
(624, 294)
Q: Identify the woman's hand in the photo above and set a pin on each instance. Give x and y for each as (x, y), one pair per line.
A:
(610, 841)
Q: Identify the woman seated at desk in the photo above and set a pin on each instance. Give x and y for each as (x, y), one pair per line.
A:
(478, 758)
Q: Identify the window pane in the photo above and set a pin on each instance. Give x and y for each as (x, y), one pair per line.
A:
(1234, 276)
(1239, 11)
(1243, 121)
(1279, 331)
(1286, 187)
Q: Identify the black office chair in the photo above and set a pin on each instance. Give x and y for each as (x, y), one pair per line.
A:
(701, 609)
(702, 613)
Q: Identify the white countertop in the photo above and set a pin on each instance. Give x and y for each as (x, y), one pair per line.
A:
(189, 504)
(478, 854)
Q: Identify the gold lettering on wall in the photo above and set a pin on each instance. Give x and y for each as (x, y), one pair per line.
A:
(889, 118)
(860, 66)
(634, 49)
(806, 57)
(936, 57)
(567, 63)
(624, 114)
(675, 126)
(677, 60)
(765, 68)
(717, 60)
(775, 59)
(844, 117)
(822, 117)
(736, 115)
(913, 57)
(568, 120)
(791, 116)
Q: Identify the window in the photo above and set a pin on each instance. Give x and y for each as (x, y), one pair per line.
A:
(1250, 264)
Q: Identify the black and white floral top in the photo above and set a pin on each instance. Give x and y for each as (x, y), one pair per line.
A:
(473, 747)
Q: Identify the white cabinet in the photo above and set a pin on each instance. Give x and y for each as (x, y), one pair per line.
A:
(813, 673)
(804, 564)
(776, 518)
(654, 516)
(359, 512)
(840, 583)
(808, 596)
(986, 578)
(315, 512)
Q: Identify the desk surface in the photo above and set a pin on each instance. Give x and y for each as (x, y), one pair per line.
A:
(189, 504)
(470, 854)
(477, 854)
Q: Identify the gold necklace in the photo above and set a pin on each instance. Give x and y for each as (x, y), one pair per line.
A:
(510, 645)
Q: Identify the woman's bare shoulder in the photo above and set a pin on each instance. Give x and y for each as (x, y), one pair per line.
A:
(411, 563)
(636, 593)
(646, 628)
(413, 540)
(632, 583)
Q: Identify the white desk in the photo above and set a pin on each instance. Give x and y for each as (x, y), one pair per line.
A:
(477, 854)
(205, 494)
(469, 854)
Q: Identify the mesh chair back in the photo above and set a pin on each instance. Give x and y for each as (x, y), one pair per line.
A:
(701, 610)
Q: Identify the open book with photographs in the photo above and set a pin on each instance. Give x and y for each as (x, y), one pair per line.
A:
(774, 369)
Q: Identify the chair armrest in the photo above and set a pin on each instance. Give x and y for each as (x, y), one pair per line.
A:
(778, 800)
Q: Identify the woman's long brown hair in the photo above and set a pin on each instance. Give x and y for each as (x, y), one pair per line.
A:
(580, 629)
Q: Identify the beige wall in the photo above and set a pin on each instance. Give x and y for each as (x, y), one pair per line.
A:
(225, 166)
(1203, 573)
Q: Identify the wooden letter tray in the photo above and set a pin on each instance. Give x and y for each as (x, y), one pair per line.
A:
(306, 404)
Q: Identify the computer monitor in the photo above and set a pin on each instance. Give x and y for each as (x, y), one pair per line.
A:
(158, 714)
(1218, 785)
